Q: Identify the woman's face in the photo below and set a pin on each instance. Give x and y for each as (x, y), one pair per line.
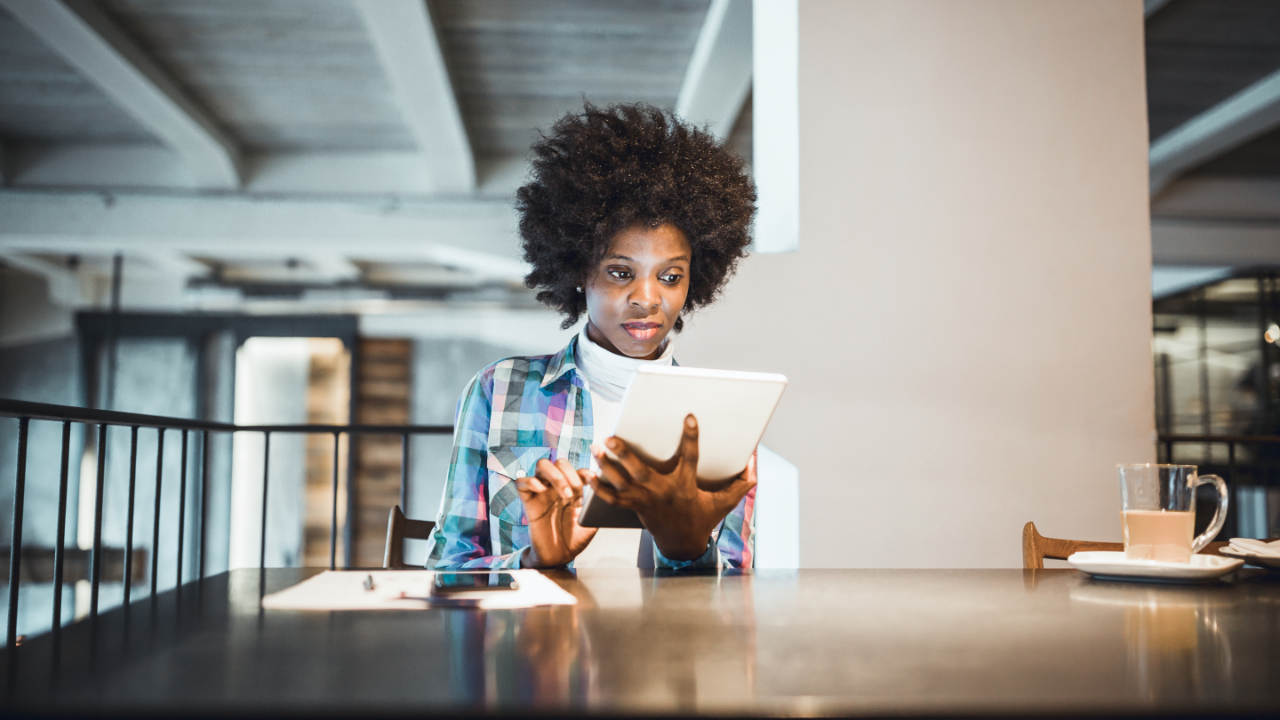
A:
(636, 293)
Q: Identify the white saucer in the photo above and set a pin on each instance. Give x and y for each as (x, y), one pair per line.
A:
(1267, 561)
(1115, 566)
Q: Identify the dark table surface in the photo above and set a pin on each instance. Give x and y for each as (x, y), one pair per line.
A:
(772, 642)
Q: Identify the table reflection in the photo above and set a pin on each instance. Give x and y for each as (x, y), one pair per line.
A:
(1175, 639)
(619, 646)
(886, 642)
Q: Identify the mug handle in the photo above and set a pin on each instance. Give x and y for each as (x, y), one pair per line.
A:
(1219, 517)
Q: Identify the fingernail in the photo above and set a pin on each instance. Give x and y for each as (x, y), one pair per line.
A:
(613, 443)
(568, 493)
(690, 422)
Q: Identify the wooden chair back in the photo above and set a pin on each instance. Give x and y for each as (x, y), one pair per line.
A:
(1036, 547)
(400, 528)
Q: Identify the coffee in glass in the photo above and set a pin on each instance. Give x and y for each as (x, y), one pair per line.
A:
(1158, 512)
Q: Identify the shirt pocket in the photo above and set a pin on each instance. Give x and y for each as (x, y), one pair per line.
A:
(505, 464)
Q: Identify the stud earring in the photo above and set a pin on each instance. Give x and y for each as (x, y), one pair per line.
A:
(579, 288)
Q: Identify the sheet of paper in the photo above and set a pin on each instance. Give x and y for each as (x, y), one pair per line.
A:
(407, 590)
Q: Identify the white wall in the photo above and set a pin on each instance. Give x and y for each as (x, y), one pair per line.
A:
(967, 324)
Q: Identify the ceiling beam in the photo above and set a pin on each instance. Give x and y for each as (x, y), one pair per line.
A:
(1219, 198)
(334, 268)
(83, 35)
(1227, 125)
(63, 284)
(718, 79)
(1214, 242)
(407, 45)
(318, 173)
(174, 263)
(478, 235)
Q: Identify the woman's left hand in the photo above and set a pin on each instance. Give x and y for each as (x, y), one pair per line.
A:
(666, 496)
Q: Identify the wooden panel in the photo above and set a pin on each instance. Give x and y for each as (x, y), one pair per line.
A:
(280, 74)
(517, 66)
(43, 100)
(1200, 52)
(382, 399)
(329, 402)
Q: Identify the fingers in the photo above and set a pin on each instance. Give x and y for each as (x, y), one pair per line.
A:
(689, 442)
(728, 497)
(554, 475)
(570, 475)
(607, 492)
(529, 485)
(626, 470)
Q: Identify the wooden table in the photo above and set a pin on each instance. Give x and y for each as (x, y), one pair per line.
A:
(932, 642)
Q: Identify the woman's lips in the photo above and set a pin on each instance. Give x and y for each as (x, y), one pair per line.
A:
(642, 330)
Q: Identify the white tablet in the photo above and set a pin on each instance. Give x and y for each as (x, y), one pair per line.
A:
(733, 409)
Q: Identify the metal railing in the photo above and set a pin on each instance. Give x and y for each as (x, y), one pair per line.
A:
(25, 412)
(1230, 473)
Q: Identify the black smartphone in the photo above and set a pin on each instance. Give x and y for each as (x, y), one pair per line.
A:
(448, 583)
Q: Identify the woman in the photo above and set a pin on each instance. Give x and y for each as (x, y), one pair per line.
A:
(636, 219)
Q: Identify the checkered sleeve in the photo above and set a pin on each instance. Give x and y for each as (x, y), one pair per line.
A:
(461, 536)
(737, 540)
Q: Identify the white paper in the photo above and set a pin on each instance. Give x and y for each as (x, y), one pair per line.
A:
(408, 590)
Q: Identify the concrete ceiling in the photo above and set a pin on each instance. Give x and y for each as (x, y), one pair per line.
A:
(269, 144)
(279, 75)
(518, 66)
(1213, 103)
(343, 139)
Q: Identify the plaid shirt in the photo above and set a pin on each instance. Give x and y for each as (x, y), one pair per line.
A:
(511, 415)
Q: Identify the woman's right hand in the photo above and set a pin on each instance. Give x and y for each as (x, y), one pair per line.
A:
(551, 500)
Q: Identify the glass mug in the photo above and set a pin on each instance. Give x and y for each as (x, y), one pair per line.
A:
(1158, 511)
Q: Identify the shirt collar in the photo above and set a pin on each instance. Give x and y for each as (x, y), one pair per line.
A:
(562, 362)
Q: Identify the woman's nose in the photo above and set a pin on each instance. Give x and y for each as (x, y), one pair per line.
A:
(646, 294)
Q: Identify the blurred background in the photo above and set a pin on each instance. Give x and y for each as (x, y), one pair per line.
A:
(293, 211)
(288, 211)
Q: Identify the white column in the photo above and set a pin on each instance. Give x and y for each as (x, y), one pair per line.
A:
(270, 388)
(967, 323)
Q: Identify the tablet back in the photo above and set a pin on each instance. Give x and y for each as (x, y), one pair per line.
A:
(732, 408)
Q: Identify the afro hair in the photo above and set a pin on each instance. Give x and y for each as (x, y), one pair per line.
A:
(602, 171)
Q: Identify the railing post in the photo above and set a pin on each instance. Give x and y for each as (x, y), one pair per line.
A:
(266, 475)
(59, 552)
(96, 579)
(155, 525)
(333, 517)
(15, 546)
(1233, 509)
(182, 508)
(204, 491)
(404, 472)
(128, 532)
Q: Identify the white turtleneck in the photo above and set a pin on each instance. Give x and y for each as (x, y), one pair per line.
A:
(607, 377)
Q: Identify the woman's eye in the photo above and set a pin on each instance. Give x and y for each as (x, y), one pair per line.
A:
(671, 279)
(620, 274)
